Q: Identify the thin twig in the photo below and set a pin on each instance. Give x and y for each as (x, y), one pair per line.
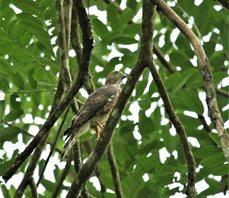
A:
(179, 128)
(30, 91)
(88, 147)
(114, 171)
(83, 69)
(85, 26)
(53, 146)
(160, 56)
(30, 135)
(33, 188)
(62, 177)
(31, 167)
(222, 93)
(88, 168)
(205, 70)
(75, 39)
(225, 3)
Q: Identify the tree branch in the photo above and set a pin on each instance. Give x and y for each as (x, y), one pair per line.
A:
(85, 26)
(33, 188)
(88, 147)
(160, 56)
(53, 146)
(225, 3)
(114, 171)
(205, 69)
(30, 135)
(88, 168)
(83, 69)
(179, 128)
(31, 167)
(75, 40)
(76, 152)
(62, 177)
(222, 93)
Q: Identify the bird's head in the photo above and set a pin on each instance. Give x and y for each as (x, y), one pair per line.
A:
(115, 77)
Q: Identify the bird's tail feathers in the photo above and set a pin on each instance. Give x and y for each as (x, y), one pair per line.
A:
(69, 145)
(67, 131)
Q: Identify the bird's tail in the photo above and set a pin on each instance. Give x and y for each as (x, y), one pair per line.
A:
(72, 139)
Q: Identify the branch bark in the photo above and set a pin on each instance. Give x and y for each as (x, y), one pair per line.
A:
(83, 71)
(53, 146)
(205, 70)
(225, 3)
(179, 128)
(146, 46)
(33, 188)
(114, 171)
(62, 177)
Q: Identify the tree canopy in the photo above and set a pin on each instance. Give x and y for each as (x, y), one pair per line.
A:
(167, 134)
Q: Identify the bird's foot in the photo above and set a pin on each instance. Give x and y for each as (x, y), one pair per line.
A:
(99, 130)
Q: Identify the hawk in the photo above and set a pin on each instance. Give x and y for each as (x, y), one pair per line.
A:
(95, 111)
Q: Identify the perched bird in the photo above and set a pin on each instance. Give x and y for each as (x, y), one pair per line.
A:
(95, 112)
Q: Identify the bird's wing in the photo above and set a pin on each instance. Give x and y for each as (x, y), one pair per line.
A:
(96, 103)
(93, 105)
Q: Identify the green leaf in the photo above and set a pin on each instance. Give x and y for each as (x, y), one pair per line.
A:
(5, 166)
(132, 29)
(18, 80)
(218, 76)
(32, 81)
(221, 170)
(201, 152)
(13, 101)
(192, 102)
(145, 124)
(7, 134)
(114, 18)
(5, 191)
(132, 4)
(99, 28)
(27, 6)
(213, 160)
(2, 109)
(185, 76)
(126, 40)
(215, 138)
(127, 15)
(178, 58)
(13, 115)
(48, 184)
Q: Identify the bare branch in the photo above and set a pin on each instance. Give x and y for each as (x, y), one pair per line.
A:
(33, 188)
(88, 147)
(206, 73)
(62, 177)
(114, 171)
(222, 93)
(225, 3)
(83, 71)
(75, 40)
(31, 167)
(179, 128)
(53, 146)
(160, 56)
(88, 168)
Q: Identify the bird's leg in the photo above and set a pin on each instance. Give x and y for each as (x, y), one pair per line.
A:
(99, 128)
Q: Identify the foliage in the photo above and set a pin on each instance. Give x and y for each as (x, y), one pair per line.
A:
(29, 66)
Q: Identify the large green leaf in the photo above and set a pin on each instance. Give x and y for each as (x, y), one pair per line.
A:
(13, 115)
(8, 134)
